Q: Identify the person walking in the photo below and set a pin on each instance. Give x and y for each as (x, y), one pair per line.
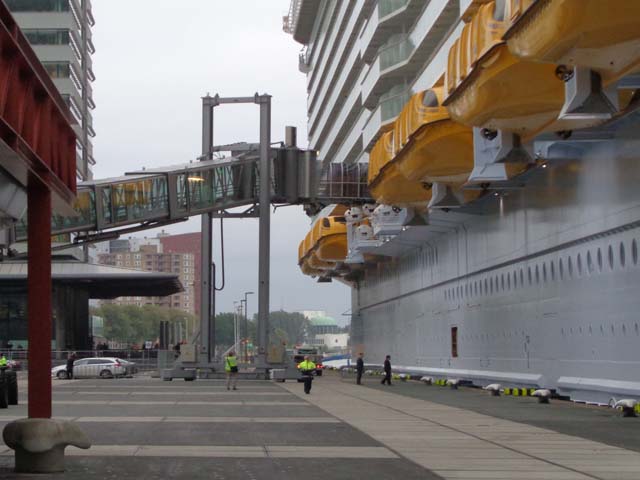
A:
(231, 367)
(307, 368)
(3, 361)
(71, 358)
(387, 371)
(359, 368)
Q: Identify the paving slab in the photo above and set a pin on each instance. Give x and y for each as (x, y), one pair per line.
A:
(459, 442)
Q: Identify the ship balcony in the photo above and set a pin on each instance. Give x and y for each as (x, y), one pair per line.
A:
(388, 17)
(405, 58)
(383, 117)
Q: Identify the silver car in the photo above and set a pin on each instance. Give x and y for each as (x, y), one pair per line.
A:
(103, 367)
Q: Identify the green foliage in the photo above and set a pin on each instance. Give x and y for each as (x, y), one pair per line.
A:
(133, 324)
(288, 327)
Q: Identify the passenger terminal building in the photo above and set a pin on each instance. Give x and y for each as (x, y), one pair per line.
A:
(501, 240)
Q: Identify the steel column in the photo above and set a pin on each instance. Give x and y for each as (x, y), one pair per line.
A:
(207, 325)
(39, 298)
(265, 222)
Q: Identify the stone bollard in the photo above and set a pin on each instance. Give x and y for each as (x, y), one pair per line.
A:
(39, 443)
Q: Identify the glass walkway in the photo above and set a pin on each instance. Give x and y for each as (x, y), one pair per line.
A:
(149, 198)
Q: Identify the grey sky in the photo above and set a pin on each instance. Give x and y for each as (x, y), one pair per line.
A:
(154, 60)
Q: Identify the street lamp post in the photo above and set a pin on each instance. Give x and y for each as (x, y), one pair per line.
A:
(245, 326)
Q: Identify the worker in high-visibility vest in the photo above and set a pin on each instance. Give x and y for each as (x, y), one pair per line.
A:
(3, 361)
(307, 369)
(231, 368)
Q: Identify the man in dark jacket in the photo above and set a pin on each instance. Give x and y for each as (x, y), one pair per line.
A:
(71, 358)
(359, 369)
(387, 371)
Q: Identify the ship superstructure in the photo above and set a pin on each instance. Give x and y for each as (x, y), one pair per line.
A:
(500, 139)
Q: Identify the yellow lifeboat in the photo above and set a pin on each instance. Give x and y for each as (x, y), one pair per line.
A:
(386, 184)
(330, 235)
(489, 87)
(303, 261)
(599, 34)
(431, 147)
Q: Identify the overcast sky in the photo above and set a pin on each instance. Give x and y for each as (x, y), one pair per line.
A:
(154, 60)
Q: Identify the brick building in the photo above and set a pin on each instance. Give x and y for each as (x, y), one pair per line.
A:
(150, 257)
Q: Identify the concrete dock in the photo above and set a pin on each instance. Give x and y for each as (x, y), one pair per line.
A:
(146, 428)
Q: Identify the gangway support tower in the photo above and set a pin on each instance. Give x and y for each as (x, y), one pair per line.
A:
(207, 314)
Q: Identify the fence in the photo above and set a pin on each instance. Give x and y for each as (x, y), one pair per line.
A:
(134, 361)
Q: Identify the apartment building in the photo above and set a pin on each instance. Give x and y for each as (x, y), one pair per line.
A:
(150, 257)
(60, 33)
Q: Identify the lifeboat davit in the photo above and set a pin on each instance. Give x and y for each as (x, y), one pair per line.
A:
(599, 34)
(487, 86)
(387, 184)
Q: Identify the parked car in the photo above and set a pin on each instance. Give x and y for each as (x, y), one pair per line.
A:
(103, 367)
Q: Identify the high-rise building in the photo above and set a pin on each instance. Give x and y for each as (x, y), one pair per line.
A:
(186, 243)
(60, 33)
(150, 257)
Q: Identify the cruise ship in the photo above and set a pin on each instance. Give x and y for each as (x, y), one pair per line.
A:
(500, 143)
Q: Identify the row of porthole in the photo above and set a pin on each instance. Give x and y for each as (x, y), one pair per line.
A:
(590, 330)
(422, 260)
(505, 281)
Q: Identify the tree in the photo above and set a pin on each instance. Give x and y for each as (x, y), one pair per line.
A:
(133, 324)
(290, 327)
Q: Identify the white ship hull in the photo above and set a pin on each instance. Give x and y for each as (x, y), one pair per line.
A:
(543, 288)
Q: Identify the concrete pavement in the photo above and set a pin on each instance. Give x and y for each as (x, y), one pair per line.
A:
(146, 428)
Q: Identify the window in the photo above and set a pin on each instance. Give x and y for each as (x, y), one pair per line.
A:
(47, 37)
(454, 342)
(58, 69)
(622, 255)
(38, 5)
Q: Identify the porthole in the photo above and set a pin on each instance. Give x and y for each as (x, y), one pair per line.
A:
(475, 288)
(624, 329)
(515, 279)
(552, 268)
(634, 252)
(622, 254)
(521, 277)
(537, 275)
(529, 276)
(502, 281)
(508, 282)
(544, 273)
(561, 268)
(599, 258)
(491, 286)
(610, 255)
(579, 264)
(486, 286)
(570, 267)
(590, 265)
